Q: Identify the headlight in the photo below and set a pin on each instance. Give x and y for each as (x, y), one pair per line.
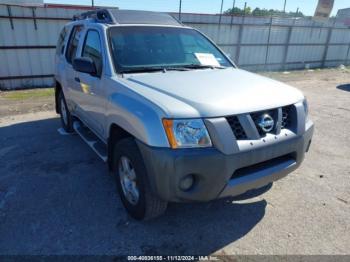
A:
(186, 133)
(306, 109)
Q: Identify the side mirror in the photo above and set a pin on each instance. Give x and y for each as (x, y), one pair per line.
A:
(85, 65)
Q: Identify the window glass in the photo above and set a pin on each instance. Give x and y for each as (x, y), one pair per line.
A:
(136, 47)
(60, 42)
(92, 49)
(73, 43)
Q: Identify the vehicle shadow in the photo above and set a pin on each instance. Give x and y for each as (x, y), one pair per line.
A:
(345, 87)
(56, 197)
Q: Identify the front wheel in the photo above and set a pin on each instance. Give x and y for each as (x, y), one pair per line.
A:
(132, 182)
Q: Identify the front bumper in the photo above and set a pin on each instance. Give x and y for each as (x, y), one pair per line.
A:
(218, 175)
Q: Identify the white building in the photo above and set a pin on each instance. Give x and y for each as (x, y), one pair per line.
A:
(23, 2)
(343, 16)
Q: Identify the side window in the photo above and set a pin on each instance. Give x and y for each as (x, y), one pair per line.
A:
(73, 43)
(92, 49)
(60, 42)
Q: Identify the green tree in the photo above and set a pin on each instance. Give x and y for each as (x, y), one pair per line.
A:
(261, 12)
(238, 11)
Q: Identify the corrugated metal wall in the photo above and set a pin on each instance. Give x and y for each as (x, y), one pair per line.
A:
(27, 44)
(276, 43)
(28, 37)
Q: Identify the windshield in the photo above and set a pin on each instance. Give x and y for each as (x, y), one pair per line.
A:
(142, 48)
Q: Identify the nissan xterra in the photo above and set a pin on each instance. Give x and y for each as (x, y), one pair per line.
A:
(170, 113)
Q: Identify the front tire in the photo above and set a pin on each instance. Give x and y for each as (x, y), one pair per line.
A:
(66, 117)
(132, 182)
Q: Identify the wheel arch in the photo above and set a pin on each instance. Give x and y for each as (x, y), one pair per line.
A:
(115, 134)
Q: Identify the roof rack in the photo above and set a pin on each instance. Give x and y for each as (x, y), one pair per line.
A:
(99, 15)
(116, 16)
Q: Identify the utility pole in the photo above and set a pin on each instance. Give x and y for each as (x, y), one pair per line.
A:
(233, 10)
(222, 6)
(284, 7)
(92, 3)
(180, 7)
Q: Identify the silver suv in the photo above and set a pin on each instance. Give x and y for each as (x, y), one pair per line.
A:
(171, 114)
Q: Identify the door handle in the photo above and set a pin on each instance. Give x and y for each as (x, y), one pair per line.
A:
(77, 79)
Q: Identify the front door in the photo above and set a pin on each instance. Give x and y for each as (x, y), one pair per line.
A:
(93, 102)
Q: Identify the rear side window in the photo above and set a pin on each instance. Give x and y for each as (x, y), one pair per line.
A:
(60, 42)
(92, 49)
(73, 43)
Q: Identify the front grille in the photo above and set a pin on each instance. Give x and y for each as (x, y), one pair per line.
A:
(286, 117)
(288, 121)
(237, 128)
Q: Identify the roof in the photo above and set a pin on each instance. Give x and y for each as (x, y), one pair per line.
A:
(115, 16)
(344, 11)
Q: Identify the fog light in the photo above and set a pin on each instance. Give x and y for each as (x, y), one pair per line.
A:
(186, 183)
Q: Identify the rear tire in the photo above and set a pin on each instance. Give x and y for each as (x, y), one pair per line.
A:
(66, 117)
(132, 182)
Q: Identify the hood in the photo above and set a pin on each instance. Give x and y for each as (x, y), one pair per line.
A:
(212, 92)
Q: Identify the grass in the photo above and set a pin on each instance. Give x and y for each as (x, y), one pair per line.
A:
(28, 94)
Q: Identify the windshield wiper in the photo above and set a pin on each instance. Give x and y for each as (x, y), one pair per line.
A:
(169, 68)
(141, 70)
(176, 68)
(196, 66)
(154, 69)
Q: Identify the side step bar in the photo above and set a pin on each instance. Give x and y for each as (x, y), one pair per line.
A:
(91, 139)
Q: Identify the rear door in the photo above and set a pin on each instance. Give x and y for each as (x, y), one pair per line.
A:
(73, 89)
(59, 56)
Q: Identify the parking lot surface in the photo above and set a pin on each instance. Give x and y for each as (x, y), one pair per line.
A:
(57, 197)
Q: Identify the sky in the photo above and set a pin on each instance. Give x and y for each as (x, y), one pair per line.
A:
(206, 6)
